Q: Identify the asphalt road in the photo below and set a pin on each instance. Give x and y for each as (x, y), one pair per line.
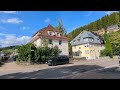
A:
(77, 70)
(52, 73)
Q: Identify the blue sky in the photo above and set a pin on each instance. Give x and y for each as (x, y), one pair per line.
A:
(17, 27)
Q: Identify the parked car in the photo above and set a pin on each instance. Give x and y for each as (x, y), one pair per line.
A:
(5, 57)
(118, 56)
(62, 59)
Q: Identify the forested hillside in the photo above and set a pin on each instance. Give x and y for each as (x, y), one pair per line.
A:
(9, 49)
(104, 22)
(115, 41)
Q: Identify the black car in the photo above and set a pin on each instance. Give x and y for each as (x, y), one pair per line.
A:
(62, 59)
(5, 57)
(118, 56)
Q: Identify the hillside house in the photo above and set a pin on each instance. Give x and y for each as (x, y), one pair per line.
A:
(87, 45)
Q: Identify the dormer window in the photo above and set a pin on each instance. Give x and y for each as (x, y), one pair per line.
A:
(57, 34)
(88, 39)
(91, 39)
(60, 34)
(50, 33)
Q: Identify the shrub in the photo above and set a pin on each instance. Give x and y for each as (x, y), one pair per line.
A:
(106, 52)
(37, 55)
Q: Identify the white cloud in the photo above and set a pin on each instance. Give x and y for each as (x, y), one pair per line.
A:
(47, 20)
(90, 12)
(8, 12)
(11, 39)
(23, 40)
(25, 28)
(12, 21)
(109, 12)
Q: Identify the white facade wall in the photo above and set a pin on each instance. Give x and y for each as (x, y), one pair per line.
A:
(63, 47)
(90, 52)
(39, 42)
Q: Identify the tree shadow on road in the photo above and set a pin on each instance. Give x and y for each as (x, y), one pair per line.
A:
(52, 73)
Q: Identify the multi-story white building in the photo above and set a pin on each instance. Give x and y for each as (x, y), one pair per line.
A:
(53, 37)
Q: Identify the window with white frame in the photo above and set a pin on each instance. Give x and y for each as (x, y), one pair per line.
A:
(90, 45)
(50, 33)
(87, 45)
(91, 39)
(60, 42)
(91, 51)
(50, 41)
(84, 40)
(57, 34)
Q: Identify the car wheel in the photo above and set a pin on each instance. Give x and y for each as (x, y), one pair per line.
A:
(52, 64)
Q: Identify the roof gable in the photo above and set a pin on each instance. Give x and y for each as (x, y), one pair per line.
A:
(44, 33)
(82, 35)
(48, 28)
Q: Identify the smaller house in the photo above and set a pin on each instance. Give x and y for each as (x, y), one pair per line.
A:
(100, 32)
(112, 28)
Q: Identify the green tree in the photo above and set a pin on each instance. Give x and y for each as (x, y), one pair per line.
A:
(108, 46)
(45, 43)
(56, 51)
(70, 48)
(61, 28)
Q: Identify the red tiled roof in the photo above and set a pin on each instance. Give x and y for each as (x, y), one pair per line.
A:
(44, 34)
